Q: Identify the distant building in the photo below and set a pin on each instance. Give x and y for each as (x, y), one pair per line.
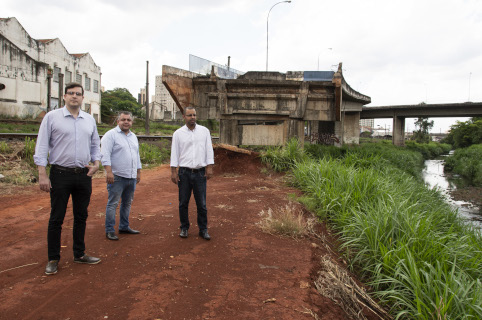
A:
(141, 97)
(26, 64)
(164, 106)
(367, 125)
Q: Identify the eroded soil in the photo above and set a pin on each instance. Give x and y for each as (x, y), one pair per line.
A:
(242, 273)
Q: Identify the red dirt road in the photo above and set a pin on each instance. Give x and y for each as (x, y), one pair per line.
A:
(158, 275)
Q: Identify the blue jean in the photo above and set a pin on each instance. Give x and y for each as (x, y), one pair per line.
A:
(194, 182)
(122, 188)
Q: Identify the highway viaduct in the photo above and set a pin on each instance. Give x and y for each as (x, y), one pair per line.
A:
(400, 112)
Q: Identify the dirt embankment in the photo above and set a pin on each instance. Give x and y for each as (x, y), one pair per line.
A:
(242, 273)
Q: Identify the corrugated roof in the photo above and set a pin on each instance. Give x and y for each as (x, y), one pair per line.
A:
(79, 55)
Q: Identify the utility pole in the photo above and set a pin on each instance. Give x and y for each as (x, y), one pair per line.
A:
(61, 89)
(147, 98)
(49, 87)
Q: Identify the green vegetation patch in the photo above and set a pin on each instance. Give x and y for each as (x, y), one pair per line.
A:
(421, 259)
(468, 163)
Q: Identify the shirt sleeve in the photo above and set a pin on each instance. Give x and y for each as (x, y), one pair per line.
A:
(95, 145)
(209, 149)
(139, 164)
(42, 145)
(107, 144)
(175, 150)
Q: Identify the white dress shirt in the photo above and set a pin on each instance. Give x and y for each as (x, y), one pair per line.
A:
(121, 152)
(192, 148)
(67, 141)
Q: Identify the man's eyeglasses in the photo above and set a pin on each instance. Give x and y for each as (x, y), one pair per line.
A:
(71, 93)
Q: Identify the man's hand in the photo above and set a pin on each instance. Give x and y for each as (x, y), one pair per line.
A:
(209, 172)
(44, 180)
(138, 179)
(93, 169)
(109, 178)
(174, 175)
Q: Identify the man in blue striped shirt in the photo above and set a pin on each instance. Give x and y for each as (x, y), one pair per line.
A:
(68, 138)
(122, 163)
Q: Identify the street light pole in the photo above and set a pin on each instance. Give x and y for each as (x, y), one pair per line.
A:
(267, 20)
(318, 69)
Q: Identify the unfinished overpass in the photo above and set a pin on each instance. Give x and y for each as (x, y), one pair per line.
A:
(269, 108)
(401, 112)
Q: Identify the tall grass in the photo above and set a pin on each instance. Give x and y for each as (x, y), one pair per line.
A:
(151, 154)
(467, 162)
(421, 259)
(283, 158)
(429, 150)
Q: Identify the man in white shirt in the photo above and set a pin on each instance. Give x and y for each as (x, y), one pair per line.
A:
(192, 151)
(122, 163)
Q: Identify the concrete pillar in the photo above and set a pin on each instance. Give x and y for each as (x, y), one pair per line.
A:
(398, 131)
(228, 132)
(351, 130)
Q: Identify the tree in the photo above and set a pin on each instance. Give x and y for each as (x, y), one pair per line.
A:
(119, 99)
(421, 133)
(465, 134)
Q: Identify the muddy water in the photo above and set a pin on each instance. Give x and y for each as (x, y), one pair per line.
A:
(434, 176)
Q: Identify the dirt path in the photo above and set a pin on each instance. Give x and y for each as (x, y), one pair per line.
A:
(157, 275)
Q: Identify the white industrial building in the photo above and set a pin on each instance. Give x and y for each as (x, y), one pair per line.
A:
(26, 64)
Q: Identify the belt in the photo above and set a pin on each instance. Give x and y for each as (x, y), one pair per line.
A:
(67, 169)
(192, 170)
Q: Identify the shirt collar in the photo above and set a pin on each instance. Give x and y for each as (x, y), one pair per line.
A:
(67, 113)
(118, 129)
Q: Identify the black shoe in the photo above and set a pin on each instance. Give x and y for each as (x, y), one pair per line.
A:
(52, 267)
(86, 259)
(129, 230)
(183, 233)
(111, 236)
(205, 235)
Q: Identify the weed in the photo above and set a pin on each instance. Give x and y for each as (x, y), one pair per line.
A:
(287, 221)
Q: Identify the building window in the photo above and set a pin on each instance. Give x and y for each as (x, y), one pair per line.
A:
(87, 107)
(68, 76)
(87, 83)
(78, 78)
(56, 74)
(96, 86)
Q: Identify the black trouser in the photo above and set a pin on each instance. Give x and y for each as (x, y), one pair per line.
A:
(65, 183)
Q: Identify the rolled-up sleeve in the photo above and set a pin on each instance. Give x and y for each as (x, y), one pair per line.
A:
(95, 145)
(42, 145)
(175, 150)
(107, 144)
(209, 149)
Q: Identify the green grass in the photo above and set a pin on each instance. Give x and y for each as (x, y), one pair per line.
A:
(152, 154)
(420, 258)
(468, 163)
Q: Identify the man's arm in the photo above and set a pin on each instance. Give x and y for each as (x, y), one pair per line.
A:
(174, 175)
(138, 179)
(44, 180)
(93, 168)
(109, 177)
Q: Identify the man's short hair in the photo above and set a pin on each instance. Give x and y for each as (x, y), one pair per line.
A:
(125, 112)
(189, 108)
(73, 85)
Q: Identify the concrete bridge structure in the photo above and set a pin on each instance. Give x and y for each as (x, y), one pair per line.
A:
(269, 108)
(401, 112)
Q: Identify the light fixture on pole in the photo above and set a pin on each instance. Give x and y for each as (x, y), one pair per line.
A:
(318, 69)
(267, 20)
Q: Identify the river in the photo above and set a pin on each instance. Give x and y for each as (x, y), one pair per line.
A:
(434, 176)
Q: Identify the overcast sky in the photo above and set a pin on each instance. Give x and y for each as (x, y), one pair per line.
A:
(395, 51)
